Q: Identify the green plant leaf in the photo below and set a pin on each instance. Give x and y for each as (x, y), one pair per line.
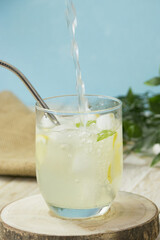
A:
(130, 96)
(90, 122)
(154, 103)
(126, 124)
(134, 131)
(141, 120)
(155, 160)
(153, 81)
(104, 134)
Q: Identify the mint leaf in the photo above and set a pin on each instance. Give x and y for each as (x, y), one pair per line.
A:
(79, 124)
(104, 134)
(90, 122)
(155, 160)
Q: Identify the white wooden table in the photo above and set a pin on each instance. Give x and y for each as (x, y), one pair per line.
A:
(138, 177)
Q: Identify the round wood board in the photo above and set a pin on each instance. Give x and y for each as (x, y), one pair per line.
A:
(131, 217)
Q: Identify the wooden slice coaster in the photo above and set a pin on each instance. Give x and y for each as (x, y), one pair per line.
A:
(131, 217)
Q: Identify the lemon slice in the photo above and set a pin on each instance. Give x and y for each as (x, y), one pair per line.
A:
(115, 168)
(109, 174)
(117, 163)
(114, 139)
(41, 143)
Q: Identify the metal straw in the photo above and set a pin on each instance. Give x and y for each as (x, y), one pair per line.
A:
(31, 89)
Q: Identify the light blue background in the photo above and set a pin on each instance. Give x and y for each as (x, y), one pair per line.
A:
(119, 44)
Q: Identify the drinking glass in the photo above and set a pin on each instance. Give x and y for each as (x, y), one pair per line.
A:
(79, 162)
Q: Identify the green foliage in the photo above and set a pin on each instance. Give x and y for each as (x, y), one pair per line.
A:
(155, 160)
(104, 134)
(154, 103)
(134, 131)
(153, 81)
(141, 120)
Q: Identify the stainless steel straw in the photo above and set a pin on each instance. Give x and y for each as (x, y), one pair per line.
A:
(31, 89)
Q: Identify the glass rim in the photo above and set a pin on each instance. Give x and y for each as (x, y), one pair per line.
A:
(110, 109)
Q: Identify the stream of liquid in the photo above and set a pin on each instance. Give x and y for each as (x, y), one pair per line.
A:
(72, 24)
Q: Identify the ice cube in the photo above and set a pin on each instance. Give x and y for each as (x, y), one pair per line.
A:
(81, 162)
(46, 122)
(106, 121)
(63, 127)
(90, 117)
(66, 123)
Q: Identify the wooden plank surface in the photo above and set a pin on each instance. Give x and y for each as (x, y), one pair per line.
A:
(14, 188)
(140, 178)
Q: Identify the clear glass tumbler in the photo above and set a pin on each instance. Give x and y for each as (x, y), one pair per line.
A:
(79, 162)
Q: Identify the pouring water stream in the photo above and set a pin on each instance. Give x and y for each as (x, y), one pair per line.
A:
(72, 24)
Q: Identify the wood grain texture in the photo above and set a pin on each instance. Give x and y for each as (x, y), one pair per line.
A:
(13, 189)
(131, 217)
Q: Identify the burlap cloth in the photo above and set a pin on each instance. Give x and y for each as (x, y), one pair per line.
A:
(17, 137)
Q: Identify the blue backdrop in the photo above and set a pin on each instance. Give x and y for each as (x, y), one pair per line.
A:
(119, 44)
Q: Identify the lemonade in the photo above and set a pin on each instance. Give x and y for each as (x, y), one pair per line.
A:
(79, 162)
(79, 167)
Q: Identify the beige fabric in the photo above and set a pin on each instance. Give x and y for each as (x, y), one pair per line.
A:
(17, 137)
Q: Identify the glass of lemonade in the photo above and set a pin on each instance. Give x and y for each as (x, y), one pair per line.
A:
(79, 162)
